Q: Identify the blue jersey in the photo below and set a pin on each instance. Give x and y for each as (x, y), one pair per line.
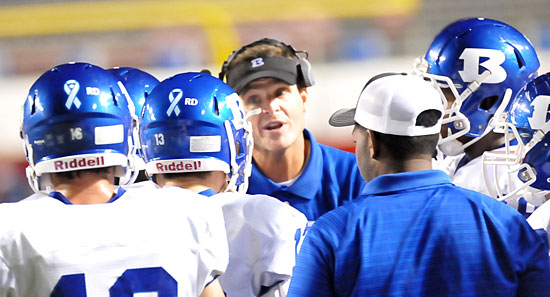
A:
(329, 179)
(416, 234)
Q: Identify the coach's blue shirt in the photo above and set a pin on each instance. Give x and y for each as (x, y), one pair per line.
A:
(330, 178)
(416, 234)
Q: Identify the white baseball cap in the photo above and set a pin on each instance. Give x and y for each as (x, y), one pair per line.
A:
(390, 104)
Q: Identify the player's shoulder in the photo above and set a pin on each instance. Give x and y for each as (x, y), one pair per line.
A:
(540, 218)
(264, 213)
(259, 203)
(169, 199)
(15, 215)
(150, 190)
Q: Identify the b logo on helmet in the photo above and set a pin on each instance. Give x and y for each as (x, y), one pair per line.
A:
(540, 112)
(492, 61)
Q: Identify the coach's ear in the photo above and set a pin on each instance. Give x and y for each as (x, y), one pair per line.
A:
(303, 95)
(374, 145)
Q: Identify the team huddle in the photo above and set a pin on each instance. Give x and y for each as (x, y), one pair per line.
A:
(212, 186)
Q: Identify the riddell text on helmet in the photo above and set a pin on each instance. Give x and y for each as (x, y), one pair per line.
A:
(79, 163)
(179, 166)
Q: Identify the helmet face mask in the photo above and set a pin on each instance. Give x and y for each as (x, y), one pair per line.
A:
(481, 58)
(193, 122)
(75, 117)
(527, 139)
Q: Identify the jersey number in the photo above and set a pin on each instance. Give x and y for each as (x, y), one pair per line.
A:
(140, 280)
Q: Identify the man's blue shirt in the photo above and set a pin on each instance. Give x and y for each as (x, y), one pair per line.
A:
(329, 179)
(416, 234)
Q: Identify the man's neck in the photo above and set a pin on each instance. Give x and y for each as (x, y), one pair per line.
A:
(416, 164)
(87, 190)
(284, 165)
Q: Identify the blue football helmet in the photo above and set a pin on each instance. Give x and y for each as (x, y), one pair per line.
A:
(137, 85)
(527, 140)
(478, 60)
(76, 117)
(194, 122)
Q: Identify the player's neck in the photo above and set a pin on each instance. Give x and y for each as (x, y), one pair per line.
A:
(216, 181)
(195, 187)
(87, 189)
(489, 142)
(284, 165)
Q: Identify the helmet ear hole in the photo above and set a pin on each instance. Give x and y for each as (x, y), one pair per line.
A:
(488, 103)
(216, 107)
(519, 58)
(33, 106)
(113, 94)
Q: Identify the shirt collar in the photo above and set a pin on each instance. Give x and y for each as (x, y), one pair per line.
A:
(311, 175)
(208, 193)
(62, 198)
(405, 181)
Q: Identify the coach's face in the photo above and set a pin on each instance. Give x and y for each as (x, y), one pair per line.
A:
(364, 152)
(282, 119)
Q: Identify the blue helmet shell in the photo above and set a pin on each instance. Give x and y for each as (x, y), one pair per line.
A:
(194, 122)
(138, 84)
(465, 49)
(75, 117)
(529, 112)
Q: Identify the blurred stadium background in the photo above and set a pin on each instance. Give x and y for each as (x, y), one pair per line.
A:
(348, 42)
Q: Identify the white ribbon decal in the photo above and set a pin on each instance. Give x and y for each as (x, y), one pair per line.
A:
(71, 88)
(174, 100)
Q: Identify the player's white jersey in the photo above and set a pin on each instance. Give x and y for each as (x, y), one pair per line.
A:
(147, 185)
(167, 241)
(35, 196)
(264, 236)
(540, 218)
(471, 176)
